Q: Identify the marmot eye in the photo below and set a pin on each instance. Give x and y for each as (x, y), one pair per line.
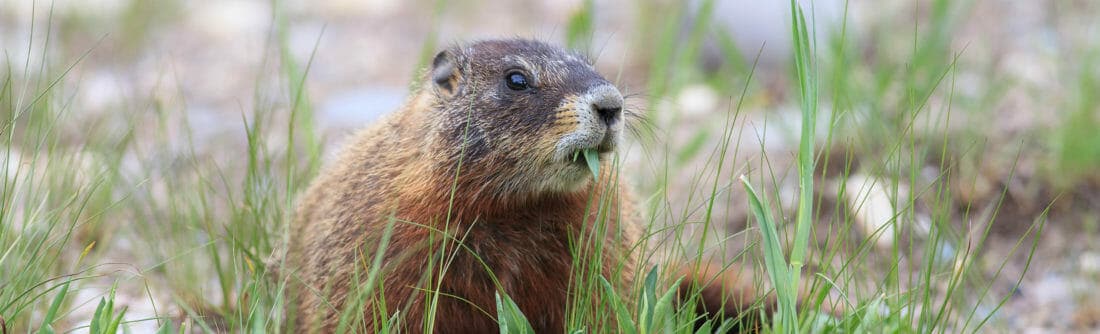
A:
(516, 81)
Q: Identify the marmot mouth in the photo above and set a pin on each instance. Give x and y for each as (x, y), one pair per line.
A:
(579, 159)
(571, 151)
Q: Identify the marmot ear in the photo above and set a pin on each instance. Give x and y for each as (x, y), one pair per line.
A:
(446, 75)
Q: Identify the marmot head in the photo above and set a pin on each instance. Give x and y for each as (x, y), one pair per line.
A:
(518, 114)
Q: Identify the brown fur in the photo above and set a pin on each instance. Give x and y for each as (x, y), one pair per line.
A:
(726, 292)
(467, 157)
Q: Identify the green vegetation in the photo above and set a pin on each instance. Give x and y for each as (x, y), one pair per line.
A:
(126, 208)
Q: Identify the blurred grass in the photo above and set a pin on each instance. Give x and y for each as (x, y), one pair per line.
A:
(200, 226)
(1077, 143)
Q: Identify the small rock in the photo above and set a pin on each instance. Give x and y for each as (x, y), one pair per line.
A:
(101, 90)
(697, 100)
(230, 20)
(974, 184)
(1089, 262)
(872, 208)
(13, 160)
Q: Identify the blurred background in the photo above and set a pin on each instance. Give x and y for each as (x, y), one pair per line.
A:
(167, 138)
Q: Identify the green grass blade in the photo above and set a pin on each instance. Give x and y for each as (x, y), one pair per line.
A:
(51, 314)
(622, 314)
(773, 257)
(510, 319)
(807, 79)
(593, 159)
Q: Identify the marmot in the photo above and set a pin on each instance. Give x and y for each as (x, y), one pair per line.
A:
(480, 181)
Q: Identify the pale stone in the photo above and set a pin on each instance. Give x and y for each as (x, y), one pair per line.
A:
(697, 100)
(872, 208)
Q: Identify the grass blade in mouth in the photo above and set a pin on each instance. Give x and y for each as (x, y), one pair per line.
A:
(593, 159)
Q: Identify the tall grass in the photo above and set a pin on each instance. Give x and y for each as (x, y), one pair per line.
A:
(786, 275)
(203, 231)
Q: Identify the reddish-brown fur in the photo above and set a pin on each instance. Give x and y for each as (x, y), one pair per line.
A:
(406, 170)
(525, 244)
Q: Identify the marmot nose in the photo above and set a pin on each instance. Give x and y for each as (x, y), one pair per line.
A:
(607, 102)
(609, 115)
